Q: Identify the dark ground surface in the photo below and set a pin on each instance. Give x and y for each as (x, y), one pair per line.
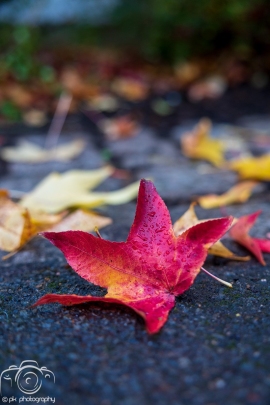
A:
(215, 347)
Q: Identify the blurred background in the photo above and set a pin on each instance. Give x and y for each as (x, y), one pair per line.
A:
(176, 49)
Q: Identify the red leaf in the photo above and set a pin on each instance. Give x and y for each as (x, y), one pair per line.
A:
(239, 233)
(147, 271)
(264, 244)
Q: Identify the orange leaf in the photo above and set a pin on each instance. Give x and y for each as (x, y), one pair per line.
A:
(119, 127)
(129, 88)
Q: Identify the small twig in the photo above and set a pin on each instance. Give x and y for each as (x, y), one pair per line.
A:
(216, 278)
(58, 120)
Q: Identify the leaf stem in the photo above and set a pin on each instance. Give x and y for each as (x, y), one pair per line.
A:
(216, 278)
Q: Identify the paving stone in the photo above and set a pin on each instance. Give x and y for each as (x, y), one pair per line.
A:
(213, 350)
(184, 182)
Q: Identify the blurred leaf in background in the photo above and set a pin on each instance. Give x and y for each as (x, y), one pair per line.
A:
(39, 40)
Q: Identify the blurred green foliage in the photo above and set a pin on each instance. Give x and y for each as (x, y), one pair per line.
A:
(158, 30)
(19, 46)
(9, 110)
(172, 30)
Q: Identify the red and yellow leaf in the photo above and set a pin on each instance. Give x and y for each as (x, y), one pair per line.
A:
(240, 233)
(147, 271)
(188, 219)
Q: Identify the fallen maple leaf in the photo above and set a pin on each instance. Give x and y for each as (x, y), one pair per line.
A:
(210, 88)
(239, 233)
(58, 192)
(19, 94)
(119, 127)
(187, 72)
(237, 194)
(147, 271)
(35, 117)
(72, 81)
(81, 220)
(197, 144)
(104, 102)
(256, 168)
(188, 219)
(28, 152)
(17, 226)
(131, 89)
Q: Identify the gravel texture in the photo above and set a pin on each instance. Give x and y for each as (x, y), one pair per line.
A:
(215, 347)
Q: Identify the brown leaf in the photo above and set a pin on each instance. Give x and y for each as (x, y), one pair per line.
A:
(131, 89)
(119, 128)
(79, 88)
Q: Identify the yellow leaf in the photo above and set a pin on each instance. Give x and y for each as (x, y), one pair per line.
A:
(188, 219)
(58, 192)
(27, 152)
(237, 194)
(218, 249)
(17, 227)
(256, 168)
(197, 144)
(121, 196)
(81, 220)
(15, 224)
(41, 219)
